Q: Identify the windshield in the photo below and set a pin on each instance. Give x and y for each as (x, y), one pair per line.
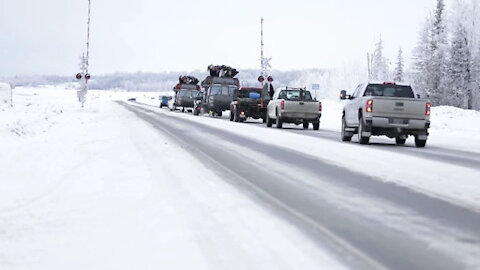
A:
(245, 93)
(295, 95)
(188, 93)
(222, 90)
(389, 90)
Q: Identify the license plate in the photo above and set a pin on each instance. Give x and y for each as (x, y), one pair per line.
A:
(399, 121)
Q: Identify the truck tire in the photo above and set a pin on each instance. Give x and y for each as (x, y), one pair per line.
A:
(305, 124)
(400, 141)
(161, 105)
(219, 114)
(268, 121)
(361, 128)
(236, 117)
(264, 119)
(420, 143)
(279, 122)
(316, 126)
(345, 137)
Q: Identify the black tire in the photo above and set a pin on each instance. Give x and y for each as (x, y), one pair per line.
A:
(183, 109)
(279, 122)
(400, 141)
(161, 106)
(344, 126)
(305, 124)
(420, 143)
(316, 126)
(361, 127)
(219, 114)
(232, 117)
(268, 121)
(264, 120)
(236, 117)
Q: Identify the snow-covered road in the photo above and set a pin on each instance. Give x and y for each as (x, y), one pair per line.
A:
(395, 226)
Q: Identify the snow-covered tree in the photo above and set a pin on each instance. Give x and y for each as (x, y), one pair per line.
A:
(399, 72)
(459, 69)
(421, 60)
(379, 70)
(439, 48)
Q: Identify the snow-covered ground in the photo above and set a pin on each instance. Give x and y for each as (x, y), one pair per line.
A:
(96, 188)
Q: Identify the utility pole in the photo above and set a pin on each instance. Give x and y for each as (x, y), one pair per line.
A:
(84, 76)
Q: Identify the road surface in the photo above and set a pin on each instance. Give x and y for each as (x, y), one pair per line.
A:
(367, 223)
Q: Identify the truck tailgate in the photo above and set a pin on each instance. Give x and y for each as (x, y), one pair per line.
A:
(301, 106)
(399, 107)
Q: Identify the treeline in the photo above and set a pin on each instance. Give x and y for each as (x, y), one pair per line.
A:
(446, 59)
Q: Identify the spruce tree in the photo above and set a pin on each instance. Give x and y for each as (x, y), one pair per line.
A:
(459, 93)
(379, 63)
(399, 73)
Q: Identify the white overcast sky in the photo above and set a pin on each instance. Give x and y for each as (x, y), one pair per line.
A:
(47, 36)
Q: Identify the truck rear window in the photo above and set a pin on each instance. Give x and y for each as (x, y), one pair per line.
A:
(295, 95)
(389, 90)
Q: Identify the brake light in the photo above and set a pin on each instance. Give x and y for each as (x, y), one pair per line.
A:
(427, 108)
(282, 105)
(369, 105)
(320, 106)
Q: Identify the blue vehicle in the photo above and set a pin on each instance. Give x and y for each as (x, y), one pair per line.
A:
(164, 100)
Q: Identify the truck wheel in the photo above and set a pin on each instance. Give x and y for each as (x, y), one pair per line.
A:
(316, 126)
(268, 120)
(161, 105)
(345, 137)
(400, 141)
(305, 124)
(236, 117)
(264, 120)
(183, 109)
(219, 114)
(361, 128)
(420, 143)
(279, 122)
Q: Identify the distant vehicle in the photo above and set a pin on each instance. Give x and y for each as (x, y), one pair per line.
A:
(217, 90)
(251, 102)
(164, 100)
(185, 92)
(294, 105)
(132, 99)
(387, 109)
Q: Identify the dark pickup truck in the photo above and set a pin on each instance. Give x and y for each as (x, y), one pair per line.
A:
(248, 102)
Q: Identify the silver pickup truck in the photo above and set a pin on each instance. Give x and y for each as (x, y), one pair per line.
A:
(387, 109)
(294, 105)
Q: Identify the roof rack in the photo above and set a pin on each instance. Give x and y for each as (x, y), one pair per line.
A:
(188, 80)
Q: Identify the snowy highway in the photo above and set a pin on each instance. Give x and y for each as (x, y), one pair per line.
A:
(367, 217)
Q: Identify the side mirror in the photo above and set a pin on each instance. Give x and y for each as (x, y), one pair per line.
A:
(343, 94)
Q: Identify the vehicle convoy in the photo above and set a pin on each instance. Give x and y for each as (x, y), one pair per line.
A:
(251, 102)
(185, 93)
(387, 109)
(217, 91)
(293, 105)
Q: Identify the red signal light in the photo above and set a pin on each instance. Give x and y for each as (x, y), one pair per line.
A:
(261, 79)
(270, 79)
(78, 76)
